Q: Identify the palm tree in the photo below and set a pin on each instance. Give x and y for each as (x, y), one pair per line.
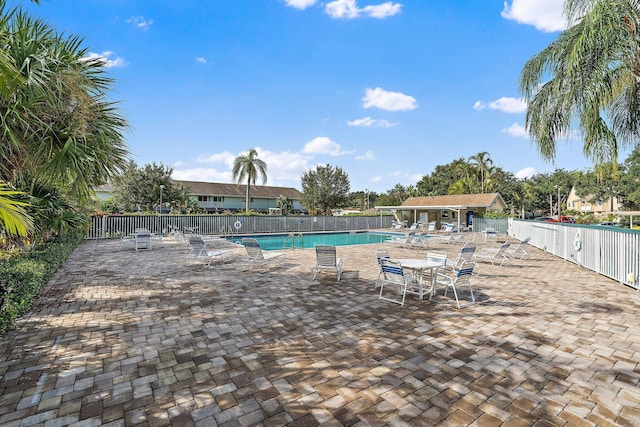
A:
(58, 128)
(594, 81)
(250, 167)
(13, 217)
(58, 124)
(483, 164)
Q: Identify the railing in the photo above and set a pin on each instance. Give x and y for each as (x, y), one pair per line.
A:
(110, 226)
(291, 240)
(612, 252)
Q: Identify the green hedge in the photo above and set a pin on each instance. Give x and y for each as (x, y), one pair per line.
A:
(23, 276)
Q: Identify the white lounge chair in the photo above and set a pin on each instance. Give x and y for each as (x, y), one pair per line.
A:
(405, 240)
(201, 249)
(420, 241)
(520, 251)
(494, 255)
(255, 255)
(327, 259)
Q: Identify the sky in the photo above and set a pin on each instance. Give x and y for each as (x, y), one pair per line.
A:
(385, 90)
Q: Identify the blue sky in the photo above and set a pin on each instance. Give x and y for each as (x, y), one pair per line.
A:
(384, 90)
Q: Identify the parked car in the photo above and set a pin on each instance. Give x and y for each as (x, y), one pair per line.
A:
(565, 219)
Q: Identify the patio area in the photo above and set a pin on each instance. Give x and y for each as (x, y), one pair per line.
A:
(152, 338)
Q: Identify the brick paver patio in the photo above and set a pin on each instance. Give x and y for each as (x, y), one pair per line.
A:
(152, 338)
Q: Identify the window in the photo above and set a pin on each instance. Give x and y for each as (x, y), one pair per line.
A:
(218, 198)
(202, 198)
(444, 214)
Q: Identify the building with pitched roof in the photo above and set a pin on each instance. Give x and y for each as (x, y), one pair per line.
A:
(220, 197)
(589, 204)
(217, 197)
(452, 208)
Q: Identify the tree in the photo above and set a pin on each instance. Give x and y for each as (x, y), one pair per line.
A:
(249, 167)
(14, 220)
(325, 188)
(57, 123)
(443, 177)
(59, 132)
(594, 81)
(138, 189)
(285, 204)
(482, 163)
(601, 185)
(630, 181)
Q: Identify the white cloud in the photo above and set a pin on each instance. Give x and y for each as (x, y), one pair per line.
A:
(516, 130)
(105, 58)
(367, 156)
(283, 165)
(201, 60)
(376, 179)
(369, 122)
(348, 9)
(545, 15)
(526, 173)
(283, 168)
(223, 157)
(504, 104)
(140, 22)
(300, 4)
(390, 101)
(202, 174)
(323, 145)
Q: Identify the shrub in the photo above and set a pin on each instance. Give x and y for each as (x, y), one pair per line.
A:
(23, 276)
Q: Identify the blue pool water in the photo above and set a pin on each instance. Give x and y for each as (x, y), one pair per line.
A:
(277, 241)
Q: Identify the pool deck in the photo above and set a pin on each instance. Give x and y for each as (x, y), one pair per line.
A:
(152, 338)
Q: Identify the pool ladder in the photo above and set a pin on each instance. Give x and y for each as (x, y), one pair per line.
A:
(293, 237)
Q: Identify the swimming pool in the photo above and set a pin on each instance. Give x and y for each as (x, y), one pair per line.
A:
(309, 240)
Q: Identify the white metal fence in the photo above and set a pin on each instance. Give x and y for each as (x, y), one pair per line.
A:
(110, 226)
(612, 252)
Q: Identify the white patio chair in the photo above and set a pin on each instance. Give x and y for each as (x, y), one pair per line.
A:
(494, 255)
(380, 255)
(393, 276)
(490, 235)
(520, 251)
(142, 239)
(125, 238)
(466, 255)
(429, 276)
(201, 249)
(327, 259)
(255, 255)
(458, 278)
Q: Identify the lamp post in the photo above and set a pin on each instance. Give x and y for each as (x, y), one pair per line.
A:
(161, 188)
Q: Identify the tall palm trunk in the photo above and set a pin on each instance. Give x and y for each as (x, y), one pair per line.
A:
(247, 200)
